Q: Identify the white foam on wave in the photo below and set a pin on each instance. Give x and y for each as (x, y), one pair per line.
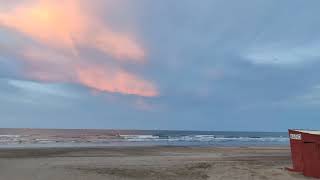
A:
(9, 136)
(202, 138)
(11, 139)
(140, 137)
(152, 139)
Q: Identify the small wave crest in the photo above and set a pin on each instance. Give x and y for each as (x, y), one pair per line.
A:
(201, 138)
(149, 138)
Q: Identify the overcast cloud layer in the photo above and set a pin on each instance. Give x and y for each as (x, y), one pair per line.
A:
(208, 65)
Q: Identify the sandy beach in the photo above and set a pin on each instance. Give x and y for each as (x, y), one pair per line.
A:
(132, 163)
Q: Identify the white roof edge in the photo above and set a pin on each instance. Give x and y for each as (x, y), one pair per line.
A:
(309, 131)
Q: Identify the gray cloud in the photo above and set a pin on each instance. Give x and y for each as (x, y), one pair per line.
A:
(218, 64)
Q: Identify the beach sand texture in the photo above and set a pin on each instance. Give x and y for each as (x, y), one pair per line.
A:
(154, 163)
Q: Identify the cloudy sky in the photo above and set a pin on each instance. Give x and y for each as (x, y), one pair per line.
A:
(199, 65)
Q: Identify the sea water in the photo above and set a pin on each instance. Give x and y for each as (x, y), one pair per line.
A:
(110, 137)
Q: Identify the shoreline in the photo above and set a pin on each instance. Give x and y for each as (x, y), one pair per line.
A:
(156, 162)
(93, 145)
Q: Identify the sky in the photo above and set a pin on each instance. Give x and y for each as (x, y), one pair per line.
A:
(250, 65)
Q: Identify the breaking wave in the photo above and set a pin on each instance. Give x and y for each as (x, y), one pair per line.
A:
(132, 138)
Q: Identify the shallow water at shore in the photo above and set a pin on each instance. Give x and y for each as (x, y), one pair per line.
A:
(92, 138)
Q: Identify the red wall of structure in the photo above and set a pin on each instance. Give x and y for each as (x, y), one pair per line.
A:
(296, 152)
(311, 156)
(305, 153)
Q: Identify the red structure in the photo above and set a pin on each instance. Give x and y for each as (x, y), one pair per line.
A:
(305, 151)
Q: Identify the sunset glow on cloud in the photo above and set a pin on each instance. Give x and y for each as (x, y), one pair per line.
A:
(117, 81)
(46, 21)
(60, 27)
(52, 67)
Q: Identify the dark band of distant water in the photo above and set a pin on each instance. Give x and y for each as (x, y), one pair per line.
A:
(94, 138)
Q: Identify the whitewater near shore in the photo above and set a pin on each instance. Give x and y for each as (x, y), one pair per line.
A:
(135, 163)
(105, 137)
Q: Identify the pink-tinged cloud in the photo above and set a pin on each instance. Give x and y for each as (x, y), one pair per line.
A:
(51, 67)
(47, 21)
(46, 65)
(119, 81)
(120, 45)
(63, 23)
(60, 27)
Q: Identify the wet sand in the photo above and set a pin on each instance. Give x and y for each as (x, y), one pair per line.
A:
(135, 163)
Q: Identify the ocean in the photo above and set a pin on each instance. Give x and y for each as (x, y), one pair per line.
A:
(111, 137)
